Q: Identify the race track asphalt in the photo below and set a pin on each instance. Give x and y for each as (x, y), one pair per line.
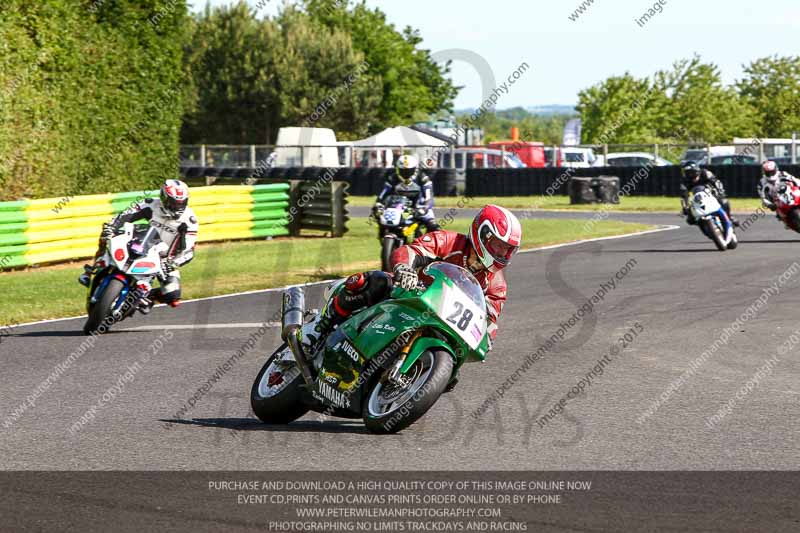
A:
(678, 288)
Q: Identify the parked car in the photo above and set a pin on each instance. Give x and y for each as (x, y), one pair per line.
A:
(478, 157)
(693, 155)
(736, 159)
(551, 159)
(785, 160)
(699, 155)
(530, 153)
(578, 157)
(631, 159)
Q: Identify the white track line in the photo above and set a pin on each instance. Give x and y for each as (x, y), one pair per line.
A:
(262, 291)
(245, 325)
(259, 291)
(613, 237)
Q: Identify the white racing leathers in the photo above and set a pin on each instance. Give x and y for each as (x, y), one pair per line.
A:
(179, 233)
(768, 187)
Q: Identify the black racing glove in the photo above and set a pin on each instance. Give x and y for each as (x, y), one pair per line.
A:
(377, 209)
(406, 277)
(168, 265)
(109, 231)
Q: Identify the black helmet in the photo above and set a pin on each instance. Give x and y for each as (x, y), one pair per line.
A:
(691, 170)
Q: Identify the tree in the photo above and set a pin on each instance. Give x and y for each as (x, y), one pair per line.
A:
(250, 77)
(231, 62)
(772, 87)
(687, 103)
(696, 101)
(618, 110)
(413, 85)
(322, 81)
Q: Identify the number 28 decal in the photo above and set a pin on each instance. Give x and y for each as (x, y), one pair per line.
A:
(461, 317)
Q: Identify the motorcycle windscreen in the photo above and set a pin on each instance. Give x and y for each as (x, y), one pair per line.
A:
(462, 305)
(704, 204)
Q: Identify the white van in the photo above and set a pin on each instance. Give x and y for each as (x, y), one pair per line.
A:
(306, 147)
(577, 157)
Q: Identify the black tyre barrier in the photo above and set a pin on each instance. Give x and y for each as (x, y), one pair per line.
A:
(444, 182)
(593, 190)
(740, 180)
(312, 173)
(277, 173)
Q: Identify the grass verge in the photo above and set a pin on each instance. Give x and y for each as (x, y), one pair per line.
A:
(652, 204)
(224, 268)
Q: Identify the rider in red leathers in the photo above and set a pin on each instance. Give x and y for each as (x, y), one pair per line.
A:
(494, 237)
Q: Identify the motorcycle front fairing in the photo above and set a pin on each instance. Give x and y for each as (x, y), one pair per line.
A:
(130, 262)
(368, 343)
(705, 205)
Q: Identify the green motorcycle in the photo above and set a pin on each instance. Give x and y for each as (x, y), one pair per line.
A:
(387, 364)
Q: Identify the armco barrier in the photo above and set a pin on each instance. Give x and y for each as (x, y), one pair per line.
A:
(56, 229)
(740, 180)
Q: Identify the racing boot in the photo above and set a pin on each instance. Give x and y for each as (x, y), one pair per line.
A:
(146, 304)
(315, 331)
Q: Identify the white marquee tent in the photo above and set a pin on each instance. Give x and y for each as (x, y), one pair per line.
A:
(381, 149)
(399, 137)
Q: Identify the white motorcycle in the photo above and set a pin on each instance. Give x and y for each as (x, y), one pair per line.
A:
(714, 222)
(124, 276)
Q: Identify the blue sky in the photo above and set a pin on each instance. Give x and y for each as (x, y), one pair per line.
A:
(567, 56)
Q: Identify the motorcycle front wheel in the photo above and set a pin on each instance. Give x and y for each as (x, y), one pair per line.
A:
(388, 245)
(793, 219)
(103, 308)
(276, 397)
(391, 407)
(713, 231)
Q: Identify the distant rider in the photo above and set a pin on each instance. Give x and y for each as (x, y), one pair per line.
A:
(694, 176)
(177, 226)
(494, 237)
(410, 181)
(770, 183)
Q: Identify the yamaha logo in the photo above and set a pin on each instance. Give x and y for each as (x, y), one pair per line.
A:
(337, 398)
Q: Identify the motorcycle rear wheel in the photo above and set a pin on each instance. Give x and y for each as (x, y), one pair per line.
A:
(389, 410)
(278, 403)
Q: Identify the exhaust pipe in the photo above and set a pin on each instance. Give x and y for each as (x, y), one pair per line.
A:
(293, 311)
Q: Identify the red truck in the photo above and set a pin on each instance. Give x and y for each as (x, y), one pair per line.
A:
(531, 153)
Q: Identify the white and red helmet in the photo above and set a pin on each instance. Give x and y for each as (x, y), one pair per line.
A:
(174, 197)
(770, 168)
(495, 236)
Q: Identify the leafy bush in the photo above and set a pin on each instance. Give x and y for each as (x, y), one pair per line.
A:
(90, 95)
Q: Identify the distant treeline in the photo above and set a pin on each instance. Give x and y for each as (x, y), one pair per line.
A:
(690, 103)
